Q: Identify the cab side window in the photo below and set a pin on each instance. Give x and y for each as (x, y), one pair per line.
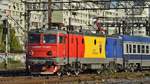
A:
(61, 39)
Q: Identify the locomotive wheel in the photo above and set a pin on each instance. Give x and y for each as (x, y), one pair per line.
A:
(99, 71)
(77, 72)
(68, 73)
(129, 68)
(59, 74)
(139, 68)
(132, 69)
(126, 70)
(114, 70)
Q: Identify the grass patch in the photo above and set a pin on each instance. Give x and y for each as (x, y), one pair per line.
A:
(126, 75)
(147, 74)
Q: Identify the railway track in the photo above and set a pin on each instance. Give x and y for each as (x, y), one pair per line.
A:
(49, 80)
(83, 79)
(20, 77)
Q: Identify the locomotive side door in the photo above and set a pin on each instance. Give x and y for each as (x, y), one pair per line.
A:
(61, 45)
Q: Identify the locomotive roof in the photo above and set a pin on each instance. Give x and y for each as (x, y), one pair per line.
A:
(126, 37)
(47, 31)
(131, 38)
(136, 38)
(36, 31)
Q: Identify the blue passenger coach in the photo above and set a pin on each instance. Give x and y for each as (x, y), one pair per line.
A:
(136, 50)
(131, 52)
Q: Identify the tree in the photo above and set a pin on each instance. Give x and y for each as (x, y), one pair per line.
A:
(2, 46)
(14, 43)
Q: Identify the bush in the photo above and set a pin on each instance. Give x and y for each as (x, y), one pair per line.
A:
(13, 41)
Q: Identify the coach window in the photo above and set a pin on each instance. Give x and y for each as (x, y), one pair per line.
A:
(134, 48)
(143, 49)
(138, 48)
(127, 48)
(130, 48)
(147, 49)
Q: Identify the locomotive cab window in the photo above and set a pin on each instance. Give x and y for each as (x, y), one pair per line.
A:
(49, 38)
(34, 38)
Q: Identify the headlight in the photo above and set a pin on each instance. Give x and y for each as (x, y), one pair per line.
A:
(31, 52)
(49, 53)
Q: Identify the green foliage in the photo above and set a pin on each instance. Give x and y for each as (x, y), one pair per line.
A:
(12, 61)
(14, 43)
(2, 45)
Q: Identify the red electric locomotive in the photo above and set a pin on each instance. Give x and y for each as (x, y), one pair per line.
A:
(50, 49)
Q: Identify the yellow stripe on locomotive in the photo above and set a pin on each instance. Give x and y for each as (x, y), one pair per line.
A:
(94, 47)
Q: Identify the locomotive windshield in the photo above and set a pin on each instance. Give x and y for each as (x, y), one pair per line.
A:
(49, 39)
(34, 38)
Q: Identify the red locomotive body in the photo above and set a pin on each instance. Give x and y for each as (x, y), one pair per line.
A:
(42, 48)
(47, 50)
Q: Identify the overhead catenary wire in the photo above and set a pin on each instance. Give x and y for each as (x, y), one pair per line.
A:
(105, 3)
(11, 18)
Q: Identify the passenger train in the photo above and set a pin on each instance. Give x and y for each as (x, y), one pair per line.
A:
(56, 51)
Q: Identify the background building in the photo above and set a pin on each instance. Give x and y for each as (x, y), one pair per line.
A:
(15, 10)
(81, 18)
(3, 6)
